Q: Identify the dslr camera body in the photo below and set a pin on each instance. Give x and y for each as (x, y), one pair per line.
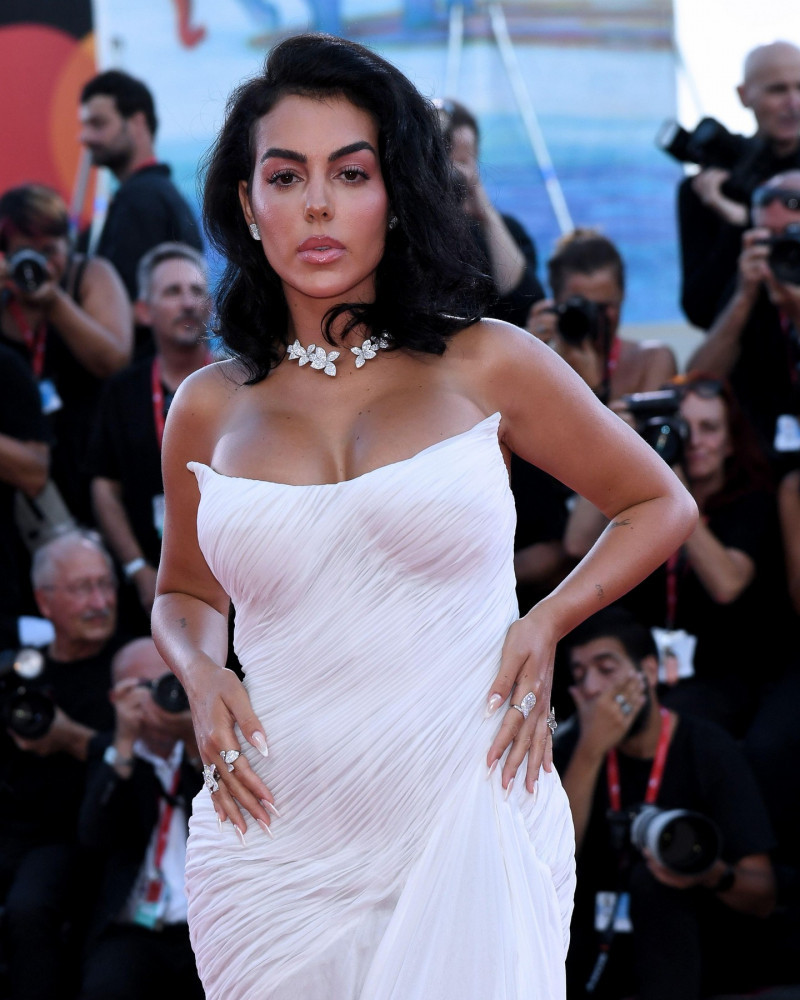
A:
(784, 255)
(28, 270)
(26, 705)
(580, 319)
(749, 160)
(658, 421)
(168, 693)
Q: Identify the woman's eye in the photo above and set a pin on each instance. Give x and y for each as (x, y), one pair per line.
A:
(282, 178)
(352, 174)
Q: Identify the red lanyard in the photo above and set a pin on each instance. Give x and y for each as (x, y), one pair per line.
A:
(167, 809)
(613, 355)
(672, 588)
(34, 339)
(656, 771)
(158, 395)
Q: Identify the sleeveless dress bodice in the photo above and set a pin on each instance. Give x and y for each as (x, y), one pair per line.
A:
(370, 618)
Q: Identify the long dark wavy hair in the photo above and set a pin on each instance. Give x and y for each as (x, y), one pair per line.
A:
(429, 284)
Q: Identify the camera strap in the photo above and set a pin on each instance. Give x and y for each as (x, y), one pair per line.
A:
(656, 771)
(34, 339)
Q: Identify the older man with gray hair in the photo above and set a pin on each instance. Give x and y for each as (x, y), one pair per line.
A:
(45, 880)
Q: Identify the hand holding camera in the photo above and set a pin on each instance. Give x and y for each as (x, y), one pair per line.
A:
(28, 274)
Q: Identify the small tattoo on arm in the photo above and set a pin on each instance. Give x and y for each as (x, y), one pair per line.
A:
(182, 622)
(621, 524)
(599, 590)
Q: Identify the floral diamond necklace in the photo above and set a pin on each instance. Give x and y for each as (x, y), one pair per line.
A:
(325, 361)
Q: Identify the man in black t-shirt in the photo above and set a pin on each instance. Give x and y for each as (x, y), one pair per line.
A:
(44, 880)
(646, 916)
(24, 459)
(125, 450)
(118, 127)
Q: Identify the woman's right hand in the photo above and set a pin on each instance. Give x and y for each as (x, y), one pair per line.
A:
(219, 702)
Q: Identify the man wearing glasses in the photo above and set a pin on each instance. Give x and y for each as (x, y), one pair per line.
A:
(45, 882)
(755, 340)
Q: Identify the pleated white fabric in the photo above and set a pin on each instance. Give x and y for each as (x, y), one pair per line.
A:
(370, 616)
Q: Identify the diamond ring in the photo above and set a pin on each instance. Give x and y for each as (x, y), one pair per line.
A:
(229, 756)
(211, 777)
(552, 725)
(526, 704)
(625, 706)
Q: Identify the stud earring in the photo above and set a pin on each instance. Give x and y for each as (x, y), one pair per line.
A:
(393, 222)
(254, 231)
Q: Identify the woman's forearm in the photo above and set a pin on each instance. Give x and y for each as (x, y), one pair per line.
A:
(188, 634)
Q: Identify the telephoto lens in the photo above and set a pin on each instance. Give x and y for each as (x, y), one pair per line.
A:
(168, 693)
(25, 708)
(28, 270)
(686, 842)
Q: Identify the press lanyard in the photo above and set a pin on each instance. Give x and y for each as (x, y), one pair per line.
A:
(613, 356)
(34, 339)
(167, 809)
(157, 390)
(656, 771)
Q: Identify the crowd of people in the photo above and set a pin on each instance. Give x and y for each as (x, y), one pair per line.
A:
(679, 697)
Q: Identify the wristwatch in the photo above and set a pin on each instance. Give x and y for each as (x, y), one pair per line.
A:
(113, 758)
(130, 569)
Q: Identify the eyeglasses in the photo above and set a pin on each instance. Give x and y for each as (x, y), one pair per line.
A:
(788, 197)
(83, 589)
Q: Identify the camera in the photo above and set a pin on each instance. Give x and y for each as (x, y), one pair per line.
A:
(580, 319)
(28, 270)
(686, 842)
(168, 693)
(26, 706)
(784, 255)
(659, 422)
(712, 145)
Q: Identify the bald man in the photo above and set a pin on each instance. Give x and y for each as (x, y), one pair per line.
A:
(711, 222)
(755, 341)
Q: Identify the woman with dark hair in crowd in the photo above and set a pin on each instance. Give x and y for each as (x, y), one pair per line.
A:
(69, 318)
(340, 479)
(720, 603)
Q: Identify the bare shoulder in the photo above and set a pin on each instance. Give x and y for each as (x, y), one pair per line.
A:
(199, 408)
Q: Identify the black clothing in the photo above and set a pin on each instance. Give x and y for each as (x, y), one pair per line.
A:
(146, 210)
(124, 448)
(71, 424)
(730, 642)
(117, 821)
(21, 418)
(710, 247)
(515, 305)
(705, 771)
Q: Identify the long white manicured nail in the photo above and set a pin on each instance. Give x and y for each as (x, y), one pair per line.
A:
(220, 821)
(492, 705)
(265, 827)
(241, 835)
(492, 767)
(260, 743)
(508, 790)
(270, 807)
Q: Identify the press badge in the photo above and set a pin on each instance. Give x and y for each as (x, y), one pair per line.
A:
(676, 649)
(151, 908)
(158, 514)
(787, 433)
(614, 905)
(51, 401)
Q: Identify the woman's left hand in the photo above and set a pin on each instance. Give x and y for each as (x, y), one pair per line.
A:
(526, 666)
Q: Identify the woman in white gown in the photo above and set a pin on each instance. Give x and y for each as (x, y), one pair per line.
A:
(362, 836)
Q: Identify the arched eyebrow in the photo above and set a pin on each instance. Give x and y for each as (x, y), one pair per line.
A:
(290, 154)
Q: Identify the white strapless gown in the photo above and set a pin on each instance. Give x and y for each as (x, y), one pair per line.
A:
(370, 615)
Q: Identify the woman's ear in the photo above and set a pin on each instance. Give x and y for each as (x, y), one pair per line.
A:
(244, 201)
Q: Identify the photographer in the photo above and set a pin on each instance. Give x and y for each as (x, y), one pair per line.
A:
(650, 913)
(581, 323)
(68, 317)
(506, 247)
(713, 204)
(44, 879)
(135, 814)
(754, 341)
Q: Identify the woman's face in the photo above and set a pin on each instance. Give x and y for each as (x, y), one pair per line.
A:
(318, 199)
(601, 287)
(709, 438)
